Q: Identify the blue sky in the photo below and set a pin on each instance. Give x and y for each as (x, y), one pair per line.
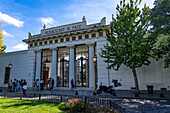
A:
(18, 17)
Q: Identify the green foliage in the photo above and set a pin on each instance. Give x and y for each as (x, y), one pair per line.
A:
(1, 42)
(164, 49)
(8, 105)
(160, 16)
(160, 20)
(129, 42)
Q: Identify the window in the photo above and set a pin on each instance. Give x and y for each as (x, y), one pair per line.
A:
(7, 75)
(67, 39)
(86, 36)
(80, 37)
(56, 41)
(61, 40)
(93, 35)
(40, 43)
(63, 67)
(73, 38)
(100, 34)
(30, 45)
(45, 43)
(51, 41)
(35, 44)
(82, 66)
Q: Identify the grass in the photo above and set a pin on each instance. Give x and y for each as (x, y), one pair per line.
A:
(9, 105)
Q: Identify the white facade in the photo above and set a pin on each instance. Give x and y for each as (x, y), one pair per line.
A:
(28, 64)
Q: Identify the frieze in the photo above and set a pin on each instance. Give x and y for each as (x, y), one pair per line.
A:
(61, 29)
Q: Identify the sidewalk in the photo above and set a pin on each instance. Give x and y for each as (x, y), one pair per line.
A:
(120, 94)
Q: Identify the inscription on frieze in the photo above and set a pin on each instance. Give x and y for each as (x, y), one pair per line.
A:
(62, 29)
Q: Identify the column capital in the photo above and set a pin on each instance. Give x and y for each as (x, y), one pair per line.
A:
(54, 49)
(38, 50)
(90, 43)
(71, 46)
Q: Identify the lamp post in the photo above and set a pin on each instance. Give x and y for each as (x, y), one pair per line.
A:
(10, 66)
(95, 74)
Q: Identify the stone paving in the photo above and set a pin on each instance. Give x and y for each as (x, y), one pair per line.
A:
(144, 105)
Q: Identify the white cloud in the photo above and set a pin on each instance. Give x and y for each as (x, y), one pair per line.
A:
(20, 47)
(10, 20)
(7, 34)
(48, 20)
(94, 10)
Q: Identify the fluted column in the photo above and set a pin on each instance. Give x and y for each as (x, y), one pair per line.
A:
(71, 64)
(38, 65)
(91, 66)
(54, 66)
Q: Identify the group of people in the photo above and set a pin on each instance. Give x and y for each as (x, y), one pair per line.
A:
(39, 85)
(18, 86)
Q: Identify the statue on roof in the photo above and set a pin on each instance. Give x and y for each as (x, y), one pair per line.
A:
(45, 26)
(84, 18)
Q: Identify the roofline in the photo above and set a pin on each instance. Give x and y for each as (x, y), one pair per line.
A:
(14, 52)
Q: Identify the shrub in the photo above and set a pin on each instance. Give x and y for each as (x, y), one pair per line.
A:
(79, 106)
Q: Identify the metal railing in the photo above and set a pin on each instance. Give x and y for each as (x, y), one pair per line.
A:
(97, 101)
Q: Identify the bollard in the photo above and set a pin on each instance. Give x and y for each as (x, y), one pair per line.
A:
(85, 99)
(39, 96)
(162, 95)
(76, 93)
(5, 94)
(61, 98)
(21, 95)
(110, 103)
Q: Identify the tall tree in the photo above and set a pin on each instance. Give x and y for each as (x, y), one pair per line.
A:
(160, 20)
(128, 40)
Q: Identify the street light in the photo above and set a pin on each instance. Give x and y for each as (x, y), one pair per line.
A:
(94, 59)
(10, 65)
(95, 73)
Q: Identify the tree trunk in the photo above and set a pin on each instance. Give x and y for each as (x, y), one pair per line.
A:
(135, 79)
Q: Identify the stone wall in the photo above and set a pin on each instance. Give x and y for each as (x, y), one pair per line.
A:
(154, 74)
(22, 66)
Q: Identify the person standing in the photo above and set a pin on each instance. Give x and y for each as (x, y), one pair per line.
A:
(10, 86)
(21, 86)
(38, 84)
(18, 86)
(14, 85)
(42, 84)
(52, 84)
(24, 87)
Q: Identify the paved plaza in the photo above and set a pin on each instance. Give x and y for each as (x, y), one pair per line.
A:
(144, 105)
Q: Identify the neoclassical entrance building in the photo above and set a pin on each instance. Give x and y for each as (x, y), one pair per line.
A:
(65, 53)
